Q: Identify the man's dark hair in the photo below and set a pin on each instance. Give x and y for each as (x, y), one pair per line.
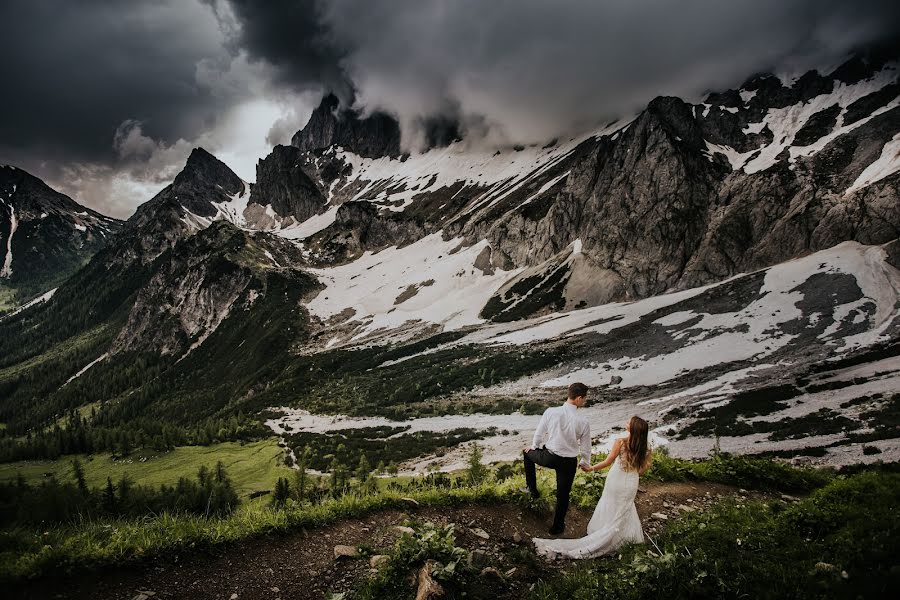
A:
(577, 389)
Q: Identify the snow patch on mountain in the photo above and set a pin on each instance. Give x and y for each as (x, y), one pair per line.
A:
(310, 226)
(396, 182)
(759, 329)
(886, 164)
(85, 368)
(786, 122)
(735, 159)
(7, 271)
(234, 208)
(34, 302)
(433, 281)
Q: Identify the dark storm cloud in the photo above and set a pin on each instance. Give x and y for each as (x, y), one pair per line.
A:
(73, 72)
(533, 69)
(288, 34)
(100, 92)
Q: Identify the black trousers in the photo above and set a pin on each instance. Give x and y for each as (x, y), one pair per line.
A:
(565, 468)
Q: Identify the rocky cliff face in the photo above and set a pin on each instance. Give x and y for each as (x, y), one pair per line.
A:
(282, 184)
(204, 191)
(680, 195)
(199, 282)
(501, 268)
(373, 136)
(45, 236)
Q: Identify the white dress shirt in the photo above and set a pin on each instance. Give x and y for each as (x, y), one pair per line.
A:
(563, 431)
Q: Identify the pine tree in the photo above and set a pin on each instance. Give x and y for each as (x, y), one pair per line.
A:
(220, 475)
(282, 492)
(363, 469)
(109, 496)
(78, 473)
(475, 471)
(334, 473)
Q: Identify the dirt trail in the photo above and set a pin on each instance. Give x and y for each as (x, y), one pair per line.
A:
(301, 565)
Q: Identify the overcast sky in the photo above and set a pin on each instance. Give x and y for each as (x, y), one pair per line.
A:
(104, 100)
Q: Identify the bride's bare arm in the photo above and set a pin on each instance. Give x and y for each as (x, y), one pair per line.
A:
(613, 453)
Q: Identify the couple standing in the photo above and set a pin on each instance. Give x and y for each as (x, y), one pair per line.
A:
(562, 436)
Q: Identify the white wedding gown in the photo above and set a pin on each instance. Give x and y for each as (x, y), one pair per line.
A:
(615, 521)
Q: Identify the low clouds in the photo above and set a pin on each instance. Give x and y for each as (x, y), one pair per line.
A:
(105, 100)
(532, 69)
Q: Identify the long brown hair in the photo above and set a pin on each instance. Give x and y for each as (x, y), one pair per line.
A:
(635, 450)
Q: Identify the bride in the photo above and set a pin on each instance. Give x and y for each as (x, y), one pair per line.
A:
(615, 521)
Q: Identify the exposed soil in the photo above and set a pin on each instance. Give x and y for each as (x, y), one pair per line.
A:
(302, 564)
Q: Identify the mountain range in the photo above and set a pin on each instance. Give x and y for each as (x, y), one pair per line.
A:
(672, 259)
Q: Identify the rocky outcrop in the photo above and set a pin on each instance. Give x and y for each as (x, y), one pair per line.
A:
(45, 236)
(282, 184)
(181, 208)
(198, 283)
(205, 179)
(330, 124)
(361, 226)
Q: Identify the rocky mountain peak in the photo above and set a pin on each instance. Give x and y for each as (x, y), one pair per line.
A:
(677, 117)
(282, 184)
(45, 236)
(202, 168)
(330, 124)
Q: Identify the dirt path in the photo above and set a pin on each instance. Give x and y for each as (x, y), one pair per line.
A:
(302, 565)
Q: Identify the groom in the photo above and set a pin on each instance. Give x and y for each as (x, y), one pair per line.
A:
(561, 435)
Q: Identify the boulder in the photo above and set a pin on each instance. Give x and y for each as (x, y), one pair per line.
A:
(341, 551)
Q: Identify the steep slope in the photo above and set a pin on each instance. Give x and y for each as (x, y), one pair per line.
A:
(684, 249)
(798, 358)
(45, 236)
(180, 291)
(680, 195)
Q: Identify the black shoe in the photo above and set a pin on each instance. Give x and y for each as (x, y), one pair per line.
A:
(557, 530)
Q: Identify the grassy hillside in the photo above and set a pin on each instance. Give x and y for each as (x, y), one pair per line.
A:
(253, 466)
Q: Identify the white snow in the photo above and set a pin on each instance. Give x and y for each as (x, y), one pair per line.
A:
(886, 164)
(735, 158)
(754, 127)
(713, 339)
(84, 369)
(675, 318)
(7, 271)
(271, 258)
(747, 95)
(311, 226)
(42, 298)
(233, 209)
(489, 174)
(786, 122)
(544, 188)
(370, 285)
(80, 227)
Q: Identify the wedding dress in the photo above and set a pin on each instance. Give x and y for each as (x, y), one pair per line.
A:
(615, 521)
